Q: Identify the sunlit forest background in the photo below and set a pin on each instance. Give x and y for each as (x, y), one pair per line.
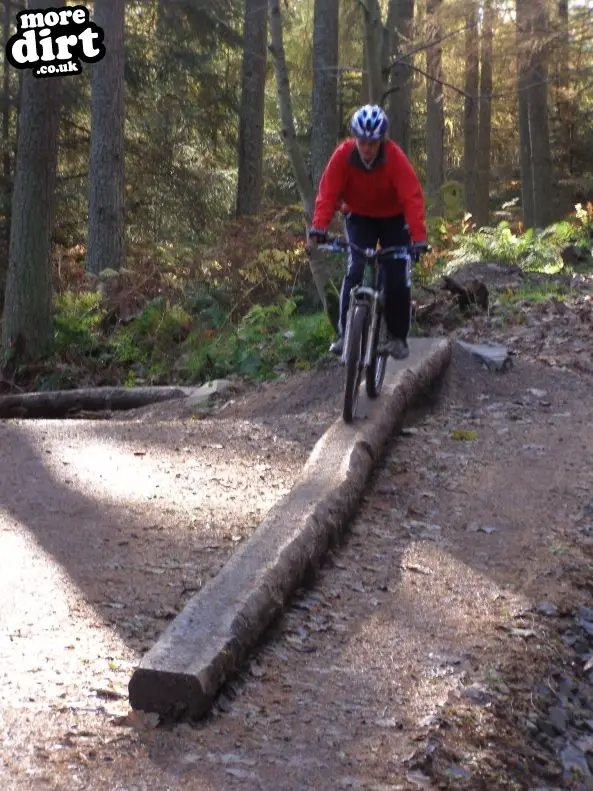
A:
(492, 100)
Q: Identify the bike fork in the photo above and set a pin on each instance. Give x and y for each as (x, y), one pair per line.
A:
(349, 319)
(368, 355)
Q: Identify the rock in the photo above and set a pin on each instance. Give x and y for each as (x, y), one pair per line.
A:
(557, 717)
(574, 761)
(457, 773)
(419, 779)
(547, 608)
(493, 357)
(576, 256)
(476, 694)
(200, 395)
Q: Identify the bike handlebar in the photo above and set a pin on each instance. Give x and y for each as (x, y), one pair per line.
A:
(337, 244)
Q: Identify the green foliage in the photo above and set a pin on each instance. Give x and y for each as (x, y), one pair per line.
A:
(531, 250)
(452, 192)
(267, 337)
(153, 335)
(76, 324)
(210, 305)
(462, 435)
(532, 292)
(168, 342)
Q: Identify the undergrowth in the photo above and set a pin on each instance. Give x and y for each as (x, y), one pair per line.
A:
(248, 306)
(532, 250)
(166, 343)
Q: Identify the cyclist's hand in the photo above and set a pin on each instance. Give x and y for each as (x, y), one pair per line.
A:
(316, 236)
(418, 248)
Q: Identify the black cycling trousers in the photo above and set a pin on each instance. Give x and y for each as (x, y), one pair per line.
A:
(389, 232)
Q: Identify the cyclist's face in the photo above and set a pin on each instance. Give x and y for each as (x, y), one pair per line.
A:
(368, 149)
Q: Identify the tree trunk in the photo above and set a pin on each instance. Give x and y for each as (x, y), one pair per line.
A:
(163, 120)
(304, 183)
(106, 245)
(324, 113)
(471, 108)
(538, 120)
(485, 122)
(27, 324)
(400, 23)
(6, 97)
(523, 83)
(6, 147)
(373, 49)
(563, 103)
(67, 403)
(435, 118)
(365, 91)
(251, 118)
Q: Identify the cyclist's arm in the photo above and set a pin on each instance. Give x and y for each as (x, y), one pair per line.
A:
(408, 187)
(331, 187)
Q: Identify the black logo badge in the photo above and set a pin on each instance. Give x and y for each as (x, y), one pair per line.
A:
(53, 41)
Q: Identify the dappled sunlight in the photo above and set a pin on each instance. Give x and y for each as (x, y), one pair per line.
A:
(106, 531)
(192, 482)
(440, 612)
(49, 631)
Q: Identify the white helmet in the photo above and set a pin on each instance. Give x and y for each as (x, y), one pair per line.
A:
(369, 123)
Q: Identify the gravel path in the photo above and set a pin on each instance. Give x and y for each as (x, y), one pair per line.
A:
(444, 645)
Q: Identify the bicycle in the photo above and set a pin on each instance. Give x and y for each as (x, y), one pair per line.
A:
(365, 336)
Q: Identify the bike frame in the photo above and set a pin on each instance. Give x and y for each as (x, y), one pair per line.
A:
(368, 294)
(371, 296)
(364, 352)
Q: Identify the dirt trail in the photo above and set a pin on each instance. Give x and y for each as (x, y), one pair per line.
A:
(445, 644)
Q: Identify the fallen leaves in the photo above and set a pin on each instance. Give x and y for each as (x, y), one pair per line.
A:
(463, 435)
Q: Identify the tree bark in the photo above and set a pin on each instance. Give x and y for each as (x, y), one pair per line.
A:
(400, 23)
(5, 195)
(485, 122)
(435, 117)
(27, 324)
(373, 49)
(471, 109)
(538, 120)
(64, 403)
(319, 270)
(523, 83)
(324, 113)
(563, 103)
(106, 243)
(251, 118)
(6, 97)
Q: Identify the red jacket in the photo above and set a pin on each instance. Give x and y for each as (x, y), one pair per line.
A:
(390, 187)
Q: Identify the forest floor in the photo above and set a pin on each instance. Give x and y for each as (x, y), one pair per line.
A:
(447, 643)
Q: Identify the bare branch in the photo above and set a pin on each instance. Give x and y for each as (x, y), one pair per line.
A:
(463, 93)
(429, 45)
(433, 79)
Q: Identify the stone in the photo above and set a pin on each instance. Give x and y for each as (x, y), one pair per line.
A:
(493, 357)
(200, 395)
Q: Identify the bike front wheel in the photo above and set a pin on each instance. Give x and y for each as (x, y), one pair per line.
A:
(376, 370)
(354, 361)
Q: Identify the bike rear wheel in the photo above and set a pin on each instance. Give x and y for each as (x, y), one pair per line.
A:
(354, 361)
(376, 370)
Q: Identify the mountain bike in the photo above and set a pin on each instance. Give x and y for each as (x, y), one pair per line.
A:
(365, 337)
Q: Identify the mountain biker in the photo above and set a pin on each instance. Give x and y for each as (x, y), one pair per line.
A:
(372, 181)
